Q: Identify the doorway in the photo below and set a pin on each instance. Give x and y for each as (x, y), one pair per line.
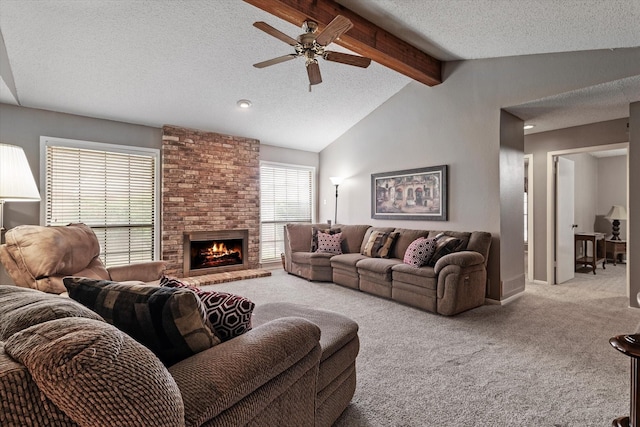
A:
(589, 219)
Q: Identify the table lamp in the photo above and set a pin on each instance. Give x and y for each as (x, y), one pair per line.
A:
(616, 213)
(16, 180)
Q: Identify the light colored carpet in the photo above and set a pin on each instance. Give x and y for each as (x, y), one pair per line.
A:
(543, 360)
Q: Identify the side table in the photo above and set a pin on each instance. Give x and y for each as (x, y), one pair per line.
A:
(615, 249)
(597, 246)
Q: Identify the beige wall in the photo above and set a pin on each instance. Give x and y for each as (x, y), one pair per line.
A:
(458, 123)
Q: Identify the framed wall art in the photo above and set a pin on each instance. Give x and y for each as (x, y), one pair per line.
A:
(410, 194)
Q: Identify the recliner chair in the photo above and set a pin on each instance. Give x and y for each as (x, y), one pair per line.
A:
(39, 257)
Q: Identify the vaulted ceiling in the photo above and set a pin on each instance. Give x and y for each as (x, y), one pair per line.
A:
(188, 62)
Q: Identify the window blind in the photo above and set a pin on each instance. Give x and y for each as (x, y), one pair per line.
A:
(112, 192)
(286, 195)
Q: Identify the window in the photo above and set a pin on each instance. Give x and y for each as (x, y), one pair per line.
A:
(286, 195)
(111, 188)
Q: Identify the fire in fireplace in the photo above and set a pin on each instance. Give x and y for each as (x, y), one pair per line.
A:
(215, 251)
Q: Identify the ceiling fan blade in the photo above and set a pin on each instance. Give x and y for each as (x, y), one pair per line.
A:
(345, 58)
(275, 33)
(334, 30)
(313, 71)
(275, 61)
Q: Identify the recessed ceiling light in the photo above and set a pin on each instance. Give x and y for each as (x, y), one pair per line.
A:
(527, 127)
(244, 103)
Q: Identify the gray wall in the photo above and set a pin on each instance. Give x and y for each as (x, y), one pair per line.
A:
(612, 190)
(586, 191)
(633, 207)
(458, 123)
(539, 144)
(24, 127)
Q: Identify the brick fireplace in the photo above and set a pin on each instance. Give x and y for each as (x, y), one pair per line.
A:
(210, 184)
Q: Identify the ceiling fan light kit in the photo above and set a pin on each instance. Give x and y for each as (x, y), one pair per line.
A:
(312, 46)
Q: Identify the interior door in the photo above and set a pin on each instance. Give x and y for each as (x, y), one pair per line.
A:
(565, 201)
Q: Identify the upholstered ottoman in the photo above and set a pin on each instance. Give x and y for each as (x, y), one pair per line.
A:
(340, 346)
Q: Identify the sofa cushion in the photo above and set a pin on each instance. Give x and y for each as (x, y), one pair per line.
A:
(406, 236)
(229, 314)
(21, 308)
(330, 243)
(445, 246)
(379, 244)
(299, 235)
(314, 235)
(320, 259)
(170, 322)
(352, 236)
(423, 277)
(419, 252)
(348, 261)
(378, 265)
(22, 402)
(97, 374)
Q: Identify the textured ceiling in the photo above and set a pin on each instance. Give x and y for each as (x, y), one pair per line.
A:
(188, 62)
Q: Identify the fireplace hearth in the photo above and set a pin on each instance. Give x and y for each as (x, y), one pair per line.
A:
(215, 251)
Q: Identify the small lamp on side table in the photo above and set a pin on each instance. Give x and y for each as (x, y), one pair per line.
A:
(16, 180)
(616, 214)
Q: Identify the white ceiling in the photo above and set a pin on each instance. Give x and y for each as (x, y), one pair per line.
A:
(187, 62)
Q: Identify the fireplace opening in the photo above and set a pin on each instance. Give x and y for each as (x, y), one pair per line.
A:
(215, 251)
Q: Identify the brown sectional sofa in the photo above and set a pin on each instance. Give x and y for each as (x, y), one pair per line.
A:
(62, 364)
(455, 284)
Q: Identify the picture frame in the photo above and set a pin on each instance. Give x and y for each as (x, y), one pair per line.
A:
(413, 194)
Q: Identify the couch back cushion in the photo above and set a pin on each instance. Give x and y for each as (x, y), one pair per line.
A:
(22, 401)
(170, 321)
(299, 235)
(480, 241)
(352, 236)
(21, 308)
(405, 237)
(41, 252)
(97, 374)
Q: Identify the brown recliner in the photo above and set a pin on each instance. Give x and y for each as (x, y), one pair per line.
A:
(39, 257)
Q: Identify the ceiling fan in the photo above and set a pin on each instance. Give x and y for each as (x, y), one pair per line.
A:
(311, 46)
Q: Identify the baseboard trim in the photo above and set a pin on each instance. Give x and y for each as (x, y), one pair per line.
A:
(540, 282)
(505, 301)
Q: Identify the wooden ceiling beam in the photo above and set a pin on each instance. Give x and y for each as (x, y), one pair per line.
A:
(365, 38)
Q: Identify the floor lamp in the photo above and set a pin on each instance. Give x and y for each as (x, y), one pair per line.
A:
(336, 180)
(16, 180)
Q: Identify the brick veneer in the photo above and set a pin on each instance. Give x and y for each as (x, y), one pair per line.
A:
(209, 182)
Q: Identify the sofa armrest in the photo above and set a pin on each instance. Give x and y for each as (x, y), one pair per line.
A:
(462, 259)
(218, 378)
(141, 271)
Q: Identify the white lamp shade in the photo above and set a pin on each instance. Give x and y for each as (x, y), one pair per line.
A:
(336, 180)
(16, 180)
(617, 212)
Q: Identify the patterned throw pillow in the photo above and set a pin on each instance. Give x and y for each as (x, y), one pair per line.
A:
(169, 322)
(379, 244)
(420, 251)
(229, 315)
(330, 243)
(445, 245)
(314, 235)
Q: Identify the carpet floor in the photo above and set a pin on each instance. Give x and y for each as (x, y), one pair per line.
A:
(542, 360)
